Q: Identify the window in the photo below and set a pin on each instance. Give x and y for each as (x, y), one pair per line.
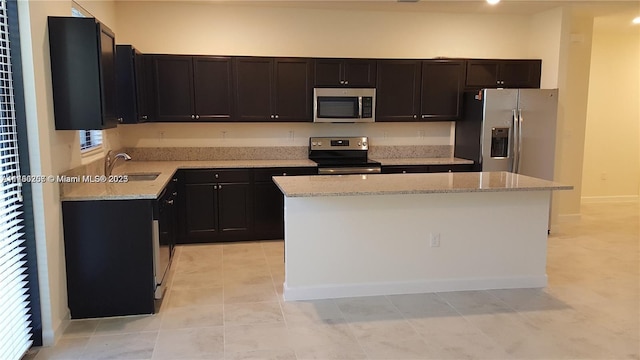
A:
(15, 322)
(89, 139)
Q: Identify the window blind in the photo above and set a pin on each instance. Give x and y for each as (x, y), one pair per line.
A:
(15, 331)
(90, 139)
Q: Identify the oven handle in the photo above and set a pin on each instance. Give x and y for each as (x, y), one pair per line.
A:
(349, 171)
(359, 107)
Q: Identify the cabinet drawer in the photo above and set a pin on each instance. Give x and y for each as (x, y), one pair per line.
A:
(264, 175)
(216, 175)
(404, 169)
(450, 168)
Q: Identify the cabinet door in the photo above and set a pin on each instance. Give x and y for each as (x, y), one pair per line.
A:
(268, 211)
(521, 73)
(253, 78)
(398, 90)
(212, 88)
(482, 73)
(235, 212)
(107, 40)
(328, 72)
(174, 87)
(442, 89)
(145, 88)
(82, 53)
(293, 90)
(359, 73)
(201, 213)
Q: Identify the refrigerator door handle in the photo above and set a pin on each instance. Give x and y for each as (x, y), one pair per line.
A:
(514, 156)
(520, 120)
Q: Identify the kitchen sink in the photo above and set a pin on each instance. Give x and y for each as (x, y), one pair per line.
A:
(142, 176)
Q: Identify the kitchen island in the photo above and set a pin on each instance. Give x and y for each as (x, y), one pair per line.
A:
(361, 235)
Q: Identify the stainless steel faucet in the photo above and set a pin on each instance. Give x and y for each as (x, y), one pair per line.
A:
(109, 162)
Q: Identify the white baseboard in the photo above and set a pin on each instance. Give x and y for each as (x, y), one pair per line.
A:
(608, 199)
(410, 287)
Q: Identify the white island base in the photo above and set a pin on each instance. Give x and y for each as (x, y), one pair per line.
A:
(362, 245)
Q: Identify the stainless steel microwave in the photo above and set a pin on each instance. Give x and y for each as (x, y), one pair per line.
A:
(344, 105)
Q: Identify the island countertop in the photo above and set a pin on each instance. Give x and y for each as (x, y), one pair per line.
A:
(388, 184)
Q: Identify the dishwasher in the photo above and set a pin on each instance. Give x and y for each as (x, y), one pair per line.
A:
(164, 236)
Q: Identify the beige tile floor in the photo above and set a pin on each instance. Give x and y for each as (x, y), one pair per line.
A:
(225, 302)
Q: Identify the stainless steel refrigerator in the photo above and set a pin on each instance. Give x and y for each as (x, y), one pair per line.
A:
(509, 130)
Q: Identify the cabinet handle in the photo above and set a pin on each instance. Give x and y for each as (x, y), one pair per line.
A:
(120, 120)
(404, 171)
(277, 116)
(415, 116)
(284, 174)
(174, 179)
(197, 116)
(144, 117)
(346, 82)
(169, 202)
(342, 82)
(216, 176)
(193, 116)
(424, 116)
(215, 187)
(174, 193)
(219, 187)
(272, 116)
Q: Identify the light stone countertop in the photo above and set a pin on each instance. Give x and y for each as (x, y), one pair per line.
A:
(389, 184)
(133, 190)
(424, 161)
(151, 189)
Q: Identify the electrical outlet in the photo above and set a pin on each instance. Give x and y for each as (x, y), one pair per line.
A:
(434, 239)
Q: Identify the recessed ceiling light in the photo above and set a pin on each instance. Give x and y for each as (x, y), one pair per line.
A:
(636, 20)
(493, 2)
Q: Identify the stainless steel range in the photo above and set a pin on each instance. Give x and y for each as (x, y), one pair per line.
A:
(342, 155)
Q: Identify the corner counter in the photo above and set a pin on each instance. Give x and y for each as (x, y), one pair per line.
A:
(382, 234)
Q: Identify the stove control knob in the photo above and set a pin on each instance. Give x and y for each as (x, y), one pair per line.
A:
(359, 143)
(319, 143)
(313, 143)
(364, 143)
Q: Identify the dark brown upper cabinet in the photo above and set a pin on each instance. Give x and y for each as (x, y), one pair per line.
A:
(442, 89)
(273, 89)
(419, 90)
(83, 73)
(345, 72)
(398, 90)
(135, 85)
(482, 73)
(192, 88)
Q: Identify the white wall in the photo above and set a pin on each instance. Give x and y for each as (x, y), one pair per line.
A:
(611, 164)
(545, 43)
(573, 75)
(50, 152)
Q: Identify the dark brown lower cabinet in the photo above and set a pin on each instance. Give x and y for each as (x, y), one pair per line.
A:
(220, 205)
(269, 202)
(109, 257)
(216, 205)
